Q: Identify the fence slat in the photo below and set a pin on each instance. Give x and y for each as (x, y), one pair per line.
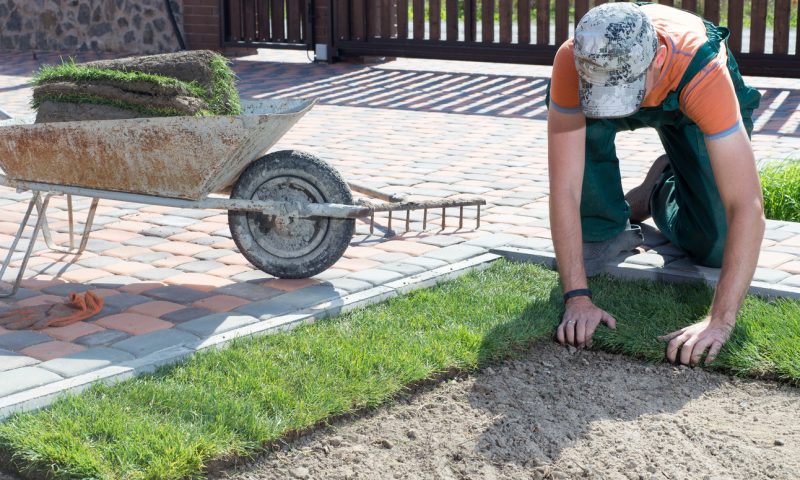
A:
(419, 19)
(249, 20)
(374, 15)
(470, 20)
(276, 15)
(343, 20)
(562, 21)
(524, 22)
(780, 40)
(542, 22)
(667, 2)
(711, 10)
(689, 5)
(386, 19)
(262, 20)
(293, 20)
(487, 28)
(359, 20)
(581, 7)
(758, 25)
(797, 37)
(234, 20)
(735, 24)
(402, 19)
(435, 15)
(451, 17)
(505, 21)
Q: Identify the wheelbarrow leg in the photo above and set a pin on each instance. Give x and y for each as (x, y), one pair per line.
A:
(31, 242)
(87, 228)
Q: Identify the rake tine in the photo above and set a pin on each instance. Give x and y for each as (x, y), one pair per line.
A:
(408, 219)
(443, 218)
(479, 218)
(424, 219)
(372, 223)
(460, 217)
(71, 223)
(390, 220)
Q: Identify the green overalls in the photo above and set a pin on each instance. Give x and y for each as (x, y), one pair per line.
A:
(685, 205)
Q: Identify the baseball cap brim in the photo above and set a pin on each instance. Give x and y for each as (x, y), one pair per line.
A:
(612, 101)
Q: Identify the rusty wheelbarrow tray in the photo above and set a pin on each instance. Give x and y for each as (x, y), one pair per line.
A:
(290, 214)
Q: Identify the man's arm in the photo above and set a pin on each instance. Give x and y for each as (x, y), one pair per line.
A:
(566, 139)
(735, 172)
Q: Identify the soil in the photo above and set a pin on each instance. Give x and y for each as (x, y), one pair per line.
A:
(560, 413)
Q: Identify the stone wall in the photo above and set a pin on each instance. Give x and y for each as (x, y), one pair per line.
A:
(121, 26)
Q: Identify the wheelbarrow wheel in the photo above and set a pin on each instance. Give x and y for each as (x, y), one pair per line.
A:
(291, 247)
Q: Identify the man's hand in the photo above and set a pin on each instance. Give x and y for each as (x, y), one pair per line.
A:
(694, 340)
(581, 319)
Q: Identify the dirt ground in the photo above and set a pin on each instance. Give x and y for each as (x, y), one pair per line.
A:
(560, 413)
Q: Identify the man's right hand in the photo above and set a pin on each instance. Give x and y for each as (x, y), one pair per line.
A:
(580, 320)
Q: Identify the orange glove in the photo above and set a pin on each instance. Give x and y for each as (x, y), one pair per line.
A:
(80, 307)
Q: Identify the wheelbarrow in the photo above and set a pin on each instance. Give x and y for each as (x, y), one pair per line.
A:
(290, 213)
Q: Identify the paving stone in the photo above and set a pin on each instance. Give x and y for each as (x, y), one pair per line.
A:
(407, 269)
(142, 345)
(265, 309)
(349, 285)
(144, 242)
(456, 253)
(494, 240)
(216, 323)
(793, 227)
(106, 337)
(425, 262)
(191, 213)
(308, 296)
(186, 314)
(86, 361)
(779, 235)
(248, 291)
(766, 275)
(97, 262)
(200, 267)
(124, 301)
(647, 259)
(64, 289)
(540, 244)
(162, 232)
(113, 281)
(173, 221)
(10, 360)
(150, 257)
(252, 276)
(376, 276)
(177, 294)
(20, 379)
(207, 240)
(389, 257)
(20, 339)
(97, 246)
(213, 254)
(157, 274)
(793, 281)
(441, 240)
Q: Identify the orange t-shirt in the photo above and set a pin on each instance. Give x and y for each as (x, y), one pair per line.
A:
(709, 99)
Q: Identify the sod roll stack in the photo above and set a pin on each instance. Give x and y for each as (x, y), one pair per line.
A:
(193, 83)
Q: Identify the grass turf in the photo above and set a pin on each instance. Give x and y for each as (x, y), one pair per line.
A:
(222, 404)
(780, 184)
(223, 98)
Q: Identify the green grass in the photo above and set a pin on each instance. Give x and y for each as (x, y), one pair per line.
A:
(780, 184)
(223, 99)
(223, 404)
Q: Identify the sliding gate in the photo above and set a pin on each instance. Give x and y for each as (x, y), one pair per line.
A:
(267, 23)
(530, 31)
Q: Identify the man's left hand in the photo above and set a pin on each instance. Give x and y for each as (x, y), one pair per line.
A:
(694, 340)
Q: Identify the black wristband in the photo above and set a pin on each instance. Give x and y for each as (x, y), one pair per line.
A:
(581, 292)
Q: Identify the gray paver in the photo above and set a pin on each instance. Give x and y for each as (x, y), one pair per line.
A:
(152, 342)
(442, 240)
(793, 281)
(216, 323)
(389, 257)
(778, 235)
(456, 253)
(17, 340)
(200, 267)
(376, 276)
(349, 285)
(405, 268)
(106, 337)
(124, 301)
(144, 241)
(97, 246)
(10, 360)
(157, 274)
(248, 291)
(265, 309)
(113, 281)
(494, 240)
(769, 275)
(98, 262)
(251, 276)
(64, 289)
(17, 380)
(177, 294)
(150, 257)
(648, 259)
(425, 262)
(85, 361)
(540, 244)
(173, 221)
(213, 254)
(186, 314)
(162, 232)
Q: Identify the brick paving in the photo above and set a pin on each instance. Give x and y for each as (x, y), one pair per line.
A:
(173, 281)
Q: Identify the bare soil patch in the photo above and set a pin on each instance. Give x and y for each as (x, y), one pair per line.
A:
(560, 413)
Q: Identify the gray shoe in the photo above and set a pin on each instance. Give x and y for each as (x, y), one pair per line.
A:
(596, 255)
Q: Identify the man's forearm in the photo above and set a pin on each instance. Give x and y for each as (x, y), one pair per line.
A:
(742, 247)
(565, 227)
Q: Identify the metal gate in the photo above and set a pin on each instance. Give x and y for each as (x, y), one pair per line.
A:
(530, 31)
(267, 23)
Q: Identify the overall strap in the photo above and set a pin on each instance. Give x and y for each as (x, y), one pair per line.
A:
(705, 54)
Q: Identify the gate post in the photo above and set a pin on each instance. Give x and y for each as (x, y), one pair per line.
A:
(322, 28)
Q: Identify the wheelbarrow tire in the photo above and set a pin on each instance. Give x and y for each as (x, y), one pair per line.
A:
(291, 248)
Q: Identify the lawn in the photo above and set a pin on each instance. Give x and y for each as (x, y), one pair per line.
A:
(221, 405)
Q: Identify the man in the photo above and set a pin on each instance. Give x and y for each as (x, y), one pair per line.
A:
(631, 66)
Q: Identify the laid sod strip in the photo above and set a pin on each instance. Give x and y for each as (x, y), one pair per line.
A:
(98, 100)
(780, 184)
(223, 404)
(224, 98)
